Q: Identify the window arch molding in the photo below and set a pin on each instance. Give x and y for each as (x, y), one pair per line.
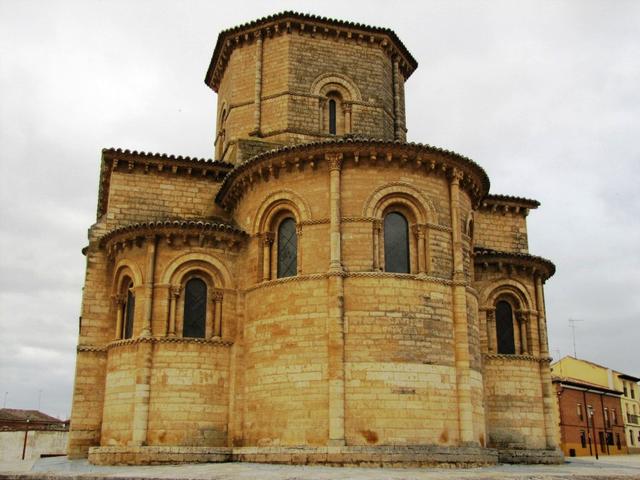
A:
(336, 93)
(127, 282)
(272, 212)
(217, 279)
(417, 211)
(517, 297)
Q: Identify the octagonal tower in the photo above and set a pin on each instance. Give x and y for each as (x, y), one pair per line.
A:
(293, 78)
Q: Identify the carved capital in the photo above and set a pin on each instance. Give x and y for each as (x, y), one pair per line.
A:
(217, 295)
(377, 225)
(118, 299)
(455, 176)
(419, 230)
(268, 238)
(335, 160)
(491, 314)
(174, 291)
(522, 317)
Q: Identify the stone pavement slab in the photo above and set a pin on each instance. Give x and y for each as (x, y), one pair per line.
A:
(584, 468)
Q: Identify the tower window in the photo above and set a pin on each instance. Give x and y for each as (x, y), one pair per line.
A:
(504, 328)
(287, 248)
(332, 117)
(195, 308)
(396, 243)
(129, 310)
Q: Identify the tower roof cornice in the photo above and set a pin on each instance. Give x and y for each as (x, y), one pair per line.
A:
(288, 21)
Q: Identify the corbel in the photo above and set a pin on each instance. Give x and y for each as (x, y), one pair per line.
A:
(174, 168)
(131, 165)
(356, 157)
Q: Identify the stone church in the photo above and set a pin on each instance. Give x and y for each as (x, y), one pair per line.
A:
(323, 291)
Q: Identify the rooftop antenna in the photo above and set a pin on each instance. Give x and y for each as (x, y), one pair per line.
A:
(572, 325)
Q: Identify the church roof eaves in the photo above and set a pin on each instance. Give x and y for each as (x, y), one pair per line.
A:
(110, 154)
(484, 255)
(496, 199)
(348, 142)
(162, 225)
(303, 17)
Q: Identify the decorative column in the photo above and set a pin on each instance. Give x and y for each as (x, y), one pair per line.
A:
(335, 320)
(257, 114)
(492, 341)
(119, 301)
(140, 420)
(151, 266)
(396, 99)
(549, 402)
(216, 299)
(267, 242)
(322, 101)
(299, 252)
(347, 117)
(174, 293)
(335, 164)
(522, 325)
(377, 231)
(420, 232)
(460, 325)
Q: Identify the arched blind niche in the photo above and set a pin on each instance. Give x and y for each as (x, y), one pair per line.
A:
(396, 243)
(195, 308)
(504, 328)
(287, 248)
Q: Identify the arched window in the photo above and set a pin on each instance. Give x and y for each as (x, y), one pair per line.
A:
(128, 310)
(396, 243)
(287, 248)
(504, 328)
(332, 116)
(195, 308)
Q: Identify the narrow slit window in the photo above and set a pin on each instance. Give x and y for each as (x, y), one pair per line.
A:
(287, 248)
(195, 308)
(332, 117)
(129, 311)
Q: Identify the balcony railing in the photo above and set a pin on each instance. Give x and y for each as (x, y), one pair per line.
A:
(633, 418)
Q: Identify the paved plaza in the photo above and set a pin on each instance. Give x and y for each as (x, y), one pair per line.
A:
(583, 468)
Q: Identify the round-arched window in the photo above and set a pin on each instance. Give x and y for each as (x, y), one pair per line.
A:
(504, 328)
(287, 248)
(396, 243)
(195, 308)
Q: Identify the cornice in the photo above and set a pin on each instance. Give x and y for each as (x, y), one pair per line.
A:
(186, 232)
(305, 24)
(508, 203)
(486, 258)
(114, 159)
(509, 357)
(355, 151)
(137, 340)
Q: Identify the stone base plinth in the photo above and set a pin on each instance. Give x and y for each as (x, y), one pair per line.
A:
(157, 455)
(370, 456)
(549, 457)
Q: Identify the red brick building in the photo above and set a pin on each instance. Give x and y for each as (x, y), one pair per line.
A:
(590, 419)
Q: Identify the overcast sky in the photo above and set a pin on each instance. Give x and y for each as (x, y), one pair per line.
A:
(544, 95)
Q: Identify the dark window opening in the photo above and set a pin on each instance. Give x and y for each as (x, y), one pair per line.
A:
(396, 243)
(332, 117)
(583, 439)
(609, 438)
(129, 310)
(618, 443)
(504, 328)
(287, 249)
(195, 309)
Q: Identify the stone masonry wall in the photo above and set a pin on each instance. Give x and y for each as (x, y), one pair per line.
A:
(501, 231)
